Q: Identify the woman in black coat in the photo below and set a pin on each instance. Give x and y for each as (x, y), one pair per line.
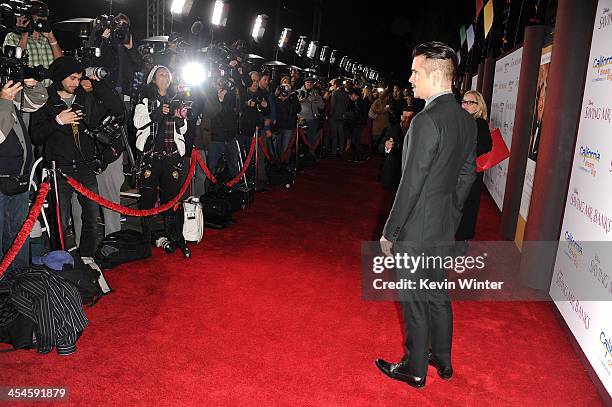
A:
(474, 104)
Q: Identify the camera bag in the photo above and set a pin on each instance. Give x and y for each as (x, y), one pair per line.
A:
(122, 247)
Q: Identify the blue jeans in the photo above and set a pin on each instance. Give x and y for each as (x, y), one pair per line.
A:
(13, 213)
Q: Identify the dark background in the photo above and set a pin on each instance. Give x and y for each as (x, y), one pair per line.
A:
(380, 34)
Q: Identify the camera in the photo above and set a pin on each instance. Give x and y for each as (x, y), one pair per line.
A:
(96, 71)
(225, 84)
(107, 132)
(284, 90)
(303, 94)
(12, 9)
(14, 67)
(120, 33)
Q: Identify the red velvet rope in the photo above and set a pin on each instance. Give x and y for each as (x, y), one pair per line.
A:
(80, 188)
(306, 139)
(245, 167)
(287, 152)
(262, 144)
(236, 179)
(23, 234)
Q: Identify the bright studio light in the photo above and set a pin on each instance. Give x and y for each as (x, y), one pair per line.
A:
(283, 41)
(177, 6)
(312, 49)
(259, 28)
(181, 6)
(194, 73)
(219, 15)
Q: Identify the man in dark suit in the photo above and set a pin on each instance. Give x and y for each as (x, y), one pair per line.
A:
(438, 169)
(338, 107)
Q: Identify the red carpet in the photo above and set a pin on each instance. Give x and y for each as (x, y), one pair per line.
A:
(268, 312)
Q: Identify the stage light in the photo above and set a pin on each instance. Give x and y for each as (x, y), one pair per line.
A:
(312, 49)
(259, 28)
(343, 62)
(194, 73)
(181, 6)
(283, 41)
(325, 52)
(300, 47)
(219, 15)
(334, 56)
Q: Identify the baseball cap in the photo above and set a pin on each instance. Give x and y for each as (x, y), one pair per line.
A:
(55, 260)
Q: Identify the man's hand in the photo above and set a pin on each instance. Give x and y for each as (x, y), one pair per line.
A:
(221, 94)
(165, 108)
(21, 22)
(269, 133)
(386, 246)
(106, 33)
(264, 103)
(130, 44)
(69, 117)
(49, 36)
(10, 90)
(87, 85)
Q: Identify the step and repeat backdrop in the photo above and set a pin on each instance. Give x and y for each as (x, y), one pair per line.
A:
(503, 106)
(582, 279)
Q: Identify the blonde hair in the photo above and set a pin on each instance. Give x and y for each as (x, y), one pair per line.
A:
(481, 113)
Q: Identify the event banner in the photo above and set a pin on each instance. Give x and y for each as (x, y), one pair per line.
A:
(583, 267)
(503, 106)
(534, 142)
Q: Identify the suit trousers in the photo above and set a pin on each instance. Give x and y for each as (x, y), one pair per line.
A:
(427, 313)
(336, 130)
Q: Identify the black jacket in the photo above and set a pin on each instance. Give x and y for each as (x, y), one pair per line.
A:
(223, 116)
(115, 57)
(59, 142)
(286, 112)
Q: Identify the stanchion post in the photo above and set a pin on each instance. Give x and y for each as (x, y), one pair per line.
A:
(56, 204)
(297, 143)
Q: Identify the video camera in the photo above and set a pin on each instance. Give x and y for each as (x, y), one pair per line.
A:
(10, 10)
(14, 67)
(120, 33)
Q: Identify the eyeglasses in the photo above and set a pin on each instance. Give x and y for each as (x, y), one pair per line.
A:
(468, 102)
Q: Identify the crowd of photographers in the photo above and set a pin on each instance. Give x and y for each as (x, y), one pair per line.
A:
(111, 97)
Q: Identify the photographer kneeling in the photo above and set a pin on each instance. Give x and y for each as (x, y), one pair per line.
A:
(160, 137)
(16, 162)
(62, 125)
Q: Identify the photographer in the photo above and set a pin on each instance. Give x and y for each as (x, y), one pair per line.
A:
(220, 108)
(119, 56)
(311, 104)
(16, 162)
(161, 127)
(35, 36)
(337, 109)
(358, 119)
(254, 108)
(287, 109)
(61, 127)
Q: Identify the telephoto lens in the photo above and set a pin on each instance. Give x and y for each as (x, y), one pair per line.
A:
(165, 243)
(97, 71)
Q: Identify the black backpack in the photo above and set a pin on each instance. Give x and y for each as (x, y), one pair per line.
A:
(122, 247)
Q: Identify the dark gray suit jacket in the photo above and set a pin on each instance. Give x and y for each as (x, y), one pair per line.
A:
(438, 169)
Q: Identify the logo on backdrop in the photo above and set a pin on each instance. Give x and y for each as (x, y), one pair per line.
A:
(603, 66)
(574, 250)
(596, 216)
(601, 276)
(572, 300)
(590, 160)
(605, 20)
(606, 343)
(593, 111)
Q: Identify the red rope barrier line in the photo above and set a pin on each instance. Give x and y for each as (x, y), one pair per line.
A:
(236, 179)
(81, 189)
(317, 142)
(23, 234)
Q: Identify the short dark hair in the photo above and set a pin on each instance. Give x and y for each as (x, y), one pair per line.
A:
(443, 56)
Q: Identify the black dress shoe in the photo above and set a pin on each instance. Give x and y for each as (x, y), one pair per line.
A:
(445, 372)
(399, 371)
